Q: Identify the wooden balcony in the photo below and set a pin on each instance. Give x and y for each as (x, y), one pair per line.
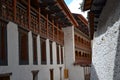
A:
(21, 15)
(61, 37)
(6, 9)
(84, 29)
(31, 19)
(34, 24)
(82, 44)
(49, 30)
(43, 26)
(55, 33)
(83, 60)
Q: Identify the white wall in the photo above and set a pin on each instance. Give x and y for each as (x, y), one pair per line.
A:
(106, 44)
(75, 72)
(23, 72)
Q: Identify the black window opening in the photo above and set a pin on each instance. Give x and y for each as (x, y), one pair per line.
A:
(35, 57)
(5, 78)
(51, 53)
(23, 47)
(3, 44)
(57, 54)
(51, 74)
(43, 51)
(61, 55)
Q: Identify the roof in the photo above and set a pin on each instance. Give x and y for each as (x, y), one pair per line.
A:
(95, 8)
(58, 10)
(87, 4)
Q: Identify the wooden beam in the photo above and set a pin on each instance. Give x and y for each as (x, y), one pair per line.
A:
(47, 24)
(87, 4)
(45, 4)
(14, 3)
(29, 17)
(91, 23)
(67, 12)
(39, 20)
(53, 28)
(54, 11)
(35, 3)
(57, 31)
(51, 11)
(82, 19)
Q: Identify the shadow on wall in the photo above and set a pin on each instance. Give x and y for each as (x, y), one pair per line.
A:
(116, 74)
(93, 75)
(107, 17)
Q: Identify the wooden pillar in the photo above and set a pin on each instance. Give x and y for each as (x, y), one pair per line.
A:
(53, 28)
(39, 20)
(29, 17)
(47, 24)
(57, 33)
(14, 3)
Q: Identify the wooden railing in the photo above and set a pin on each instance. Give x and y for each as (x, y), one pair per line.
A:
(6, 9)
(21, 15)
(61, 37)
(83, 60)
(84, 29)
(43, 26)
(81, 43)
(82, 46)
(55, 33)
(50, 30)
(36, 22)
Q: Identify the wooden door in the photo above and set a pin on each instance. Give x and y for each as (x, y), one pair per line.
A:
(51, 74)
(5, 78)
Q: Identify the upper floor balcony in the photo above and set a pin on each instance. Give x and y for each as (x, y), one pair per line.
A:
(30, 18)
(83, 59)
(82, 43)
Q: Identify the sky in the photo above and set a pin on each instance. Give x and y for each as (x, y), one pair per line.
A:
(74, 6)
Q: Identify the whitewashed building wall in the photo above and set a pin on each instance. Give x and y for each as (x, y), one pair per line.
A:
(23, 72)
(74, 72)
